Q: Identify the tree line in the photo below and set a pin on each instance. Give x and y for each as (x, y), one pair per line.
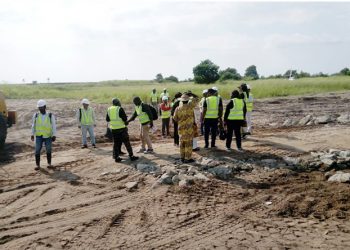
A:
(208, 72)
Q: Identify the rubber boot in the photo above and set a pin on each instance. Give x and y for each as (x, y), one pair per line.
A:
(37, 161)
(49, 156)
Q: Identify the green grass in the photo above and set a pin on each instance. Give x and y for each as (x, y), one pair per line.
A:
(103, 92)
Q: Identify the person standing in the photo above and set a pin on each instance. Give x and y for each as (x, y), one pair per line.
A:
(144, 113)
(118, 124)
(165, 113)
(201, 102)
(184, 116)
(164, 93)
(154, 99)
(233, 119)
(44, 132)
(248, 98)
(212, 113)
(86, 122)
(174, 105)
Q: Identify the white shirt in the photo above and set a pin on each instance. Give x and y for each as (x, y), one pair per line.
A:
(53, 122)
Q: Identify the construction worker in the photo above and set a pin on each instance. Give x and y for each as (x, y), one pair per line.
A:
(175, 104)
(118, 124)
(205, 93)
(144, 113)
(212, 113)
(165, 114)
(164, 93)
(154, 99)
(184, 116)
(44, 131)
(233, 119)
(86, 122)
(248, 98)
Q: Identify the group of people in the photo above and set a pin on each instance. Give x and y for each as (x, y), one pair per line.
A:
(180, 110)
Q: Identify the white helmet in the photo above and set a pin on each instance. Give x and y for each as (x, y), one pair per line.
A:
(165, 98)
(248, 87)
(85, 101)
(41, 103)
(205, 91)
(215, 88)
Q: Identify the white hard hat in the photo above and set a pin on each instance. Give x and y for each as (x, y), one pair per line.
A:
(215, 88)
(248, 87)
(205, 91)
(164, 89)
(85, 101)
(165, 98)
(41, 103)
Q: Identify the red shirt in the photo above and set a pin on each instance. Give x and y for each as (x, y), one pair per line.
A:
(165, 107)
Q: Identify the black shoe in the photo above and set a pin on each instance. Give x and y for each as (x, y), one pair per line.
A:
(50, 166)
(196, 149)
(206, 146)
(37, 168)
(84, 146)
(189, 161)
(94, 145)
(214, 146)
(122, 153)
(134, 158)
(118, 159)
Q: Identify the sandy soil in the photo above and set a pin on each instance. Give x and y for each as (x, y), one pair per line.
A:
(75, 207)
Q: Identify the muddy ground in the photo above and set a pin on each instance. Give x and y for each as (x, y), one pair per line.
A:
(79, 206)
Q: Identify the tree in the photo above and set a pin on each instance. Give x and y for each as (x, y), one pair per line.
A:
(251, 72)
(292, 73)
(172, 79)
(206, 72)
(229, 74)
(159, 78)
(303, 74)
(345, 72)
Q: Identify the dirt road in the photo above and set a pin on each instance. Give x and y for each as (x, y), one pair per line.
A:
(84, 203)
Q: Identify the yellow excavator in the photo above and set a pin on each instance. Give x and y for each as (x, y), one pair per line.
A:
(7, 119)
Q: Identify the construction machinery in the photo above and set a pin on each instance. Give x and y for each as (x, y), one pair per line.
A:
(7, 119)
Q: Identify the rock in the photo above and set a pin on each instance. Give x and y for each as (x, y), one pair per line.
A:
(272, 163)
(184, 183)
(166, 179)
(131, 185)
(221, 172)
(192, 170)
(109, 172)
(323, 119)
(334, 152)
(287, 123)
(344, 154)
(305, 120)
(344, 118)
(340, 177)
(148, 168)
(329, 174)
(200, 176)
(175, 179)
(291, 161)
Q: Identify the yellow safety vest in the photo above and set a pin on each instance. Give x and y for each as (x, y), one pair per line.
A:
(43, 127)
(115, 121)
(212, 107)
(236, 113)
(154, 97)
(143, 116)
(86, 117)
(166, 114)
(249, 101)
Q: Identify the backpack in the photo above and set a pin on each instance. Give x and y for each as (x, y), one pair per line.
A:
(154, 112)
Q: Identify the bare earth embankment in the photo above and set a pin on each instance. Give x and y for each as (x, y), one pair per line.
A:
(275, 195)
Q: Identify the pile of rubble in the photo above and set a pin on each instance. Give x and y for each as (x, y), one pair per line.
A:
(315, 120)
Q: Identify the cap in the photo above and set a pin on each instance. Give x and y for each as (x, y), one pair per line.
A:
(85, 101)
(165, 98)
(41, 103)
(205, 91)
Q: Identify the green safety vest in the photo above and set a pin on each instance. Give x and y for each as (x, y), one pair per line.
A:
(154, 97)
(249, 101)
(236, 113)
(212, 107)
(115, 121)
(143, 117)
(43, 127)
(86, 116)
(166, 114)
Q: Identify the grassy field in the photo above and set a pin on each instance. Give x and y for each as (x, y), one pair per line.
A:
(103, 92)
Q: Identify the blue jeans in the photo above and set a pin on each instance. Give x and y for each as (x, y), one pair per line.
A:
(84, 130)
(39, 140)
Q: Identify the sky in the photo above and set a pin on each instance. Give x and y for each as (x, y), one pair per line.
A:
(83, 40)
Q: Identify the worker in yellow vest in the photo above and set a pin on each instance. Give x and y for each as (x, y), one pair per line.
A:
(212, 113)
(44, 131)
(248, 98)
(165, 114)
(144, 113)
(86, 122)
(118, 124)
(154, 99)
(164, 93)
(233, 119)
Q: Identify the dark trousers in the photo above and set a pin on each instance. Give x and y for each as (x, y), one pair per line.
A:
(210, 127)
(176, 133)
(165, 126)
(234, 126)
(121, 136)
(39, 141)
